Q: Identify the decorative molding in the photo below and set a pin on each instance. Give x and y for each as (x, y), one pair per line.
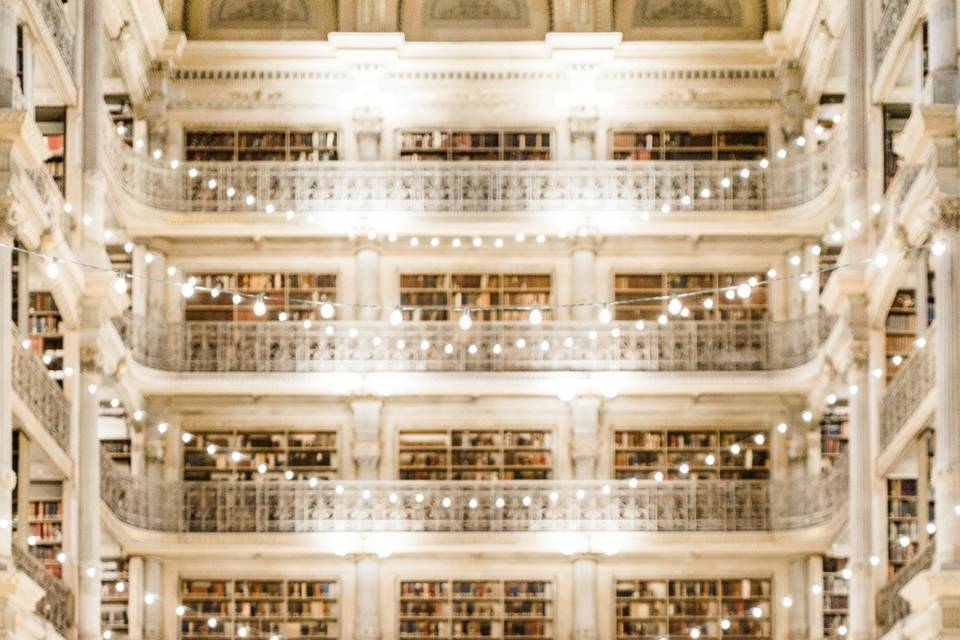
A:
(945, 213)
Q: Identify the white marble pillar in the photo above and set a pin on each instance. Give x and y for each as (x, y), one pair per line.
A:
(366, 434)
(368, 127)
(94, 182)
(9, 10)
(861, 619)
(139, 285)
(135, 598)
(88, 493)
(585, 436)
(153, 612)
(23, 488)
(797, 591)
(367, 280)
(814, 601)
(855, 186)
(28, 70)
(946, 465)
(942, 21)
(366, 623)
(7, 474)
(156, 291)
(23, 293)
(583, 135)
(583, 276)
(921, 269)
(585, 598)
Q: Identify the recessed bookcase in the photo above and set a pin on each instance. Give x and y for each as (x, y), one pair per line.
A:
(834, 433)
(706, 144)
(306, 453)
(118, 449)
(121, 113)
(260, 145)
(670, 608)
(114, 599)
(484, 144)
(641, 454)
(46, 525)
(835, 590)
(294, 608)
(476, 609)
(902, 521)
(52, 122)
(475, 290)
(46, 341)
(901, 327)
(635, 286)
(829, 257)
(475, 454)
(298, 295)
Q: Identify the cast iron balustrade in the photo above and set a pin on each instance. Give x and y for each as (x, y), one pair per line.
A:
(41, 395)
(890, 606)
(721, 345)
(55, 17)
(890, 20)
(482, 188)
(56, 605)
(911, 384)
(550, 505)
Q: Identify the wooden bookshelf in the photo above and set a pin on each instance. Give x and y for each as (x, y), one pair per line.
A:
(476, 609)
(901, 327)
(44, 331)
(294, 608)
(670, 608)
(305, 453)
(834, 433)
(46, 526)
(835, 596)
(634, 286)
(643, 453)
(261, 145)
(298, 295)
(475, 454)
(114, 598)
(829, 257)
(118, 449)
(479, 291)
(902, 521)
(120, 109)
(52, 122)
(482, 144)
(705, 144)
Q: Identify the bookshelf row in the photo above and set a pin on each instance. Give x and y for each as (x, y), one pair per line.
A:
(835, 596)
(474, 290)
(237, 455)
(706, 454)
(663, 144)
(717, 306)
(475, 454)
(292, 609)
(225, 145)
(114, 596)
(649, 609)
(445, 144)
(834, 433)
(296, 295)
(901, 328)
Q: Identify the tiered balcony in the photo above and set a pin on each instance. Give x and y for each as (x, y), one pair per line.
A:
(204, 347)
(56, 606)
(61, 31)
(511, 506)
(40, 395)
(895, 25)
(891, 608)
(909, 389)
(153, 193)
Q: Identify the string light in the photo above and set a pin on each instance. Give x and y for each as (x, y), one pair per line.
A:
(259, 307)
(396, 317)
(53, 269)
(465, 322)
(120, 283)
(605, 315)
(536, 316)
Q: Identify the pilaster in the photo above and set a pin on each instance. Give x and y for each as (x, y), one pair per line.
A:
(583, 259)
(585, 598)
(585, 436)
(135, 598)
(366, 433)
(368, 128)
(367, 280)
(9, 89)
(583, 130)
(7, 476)
(942, 21)
(366, 623)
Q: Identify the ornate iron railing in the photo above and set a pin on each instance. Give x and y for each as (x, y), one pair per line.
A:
(562, 505)
(890, 19)
(897, 193)
(488, 346)
(907, 389)
(43, 396)
(890, 606)
(55, 17)
(475, 187)
(56, 606)
(51, 195)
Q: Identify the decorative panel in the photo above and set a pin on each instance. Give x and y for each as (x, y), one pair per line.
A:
(476, 19)
(690, 19)
(260, 19)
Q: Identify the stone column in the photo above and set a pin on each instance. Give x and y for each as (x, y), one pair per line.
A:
(156, 305)
(139, 285)
(27, 71)
(367, 280)
(9, 10)
(922, 292)
(814, 602)
(855, 186)
(583, 134)
(366, 434)
(23, 489)
(946, 465)
(366, 624)
(797, 591)
(861, 617)
(135, 598)
(94, 188)
(585, 436)
(585, 598)
(152, 613)
(368, 126)
(583, 278)
(23, 294)
(942, 20)
(8, 478)
(88, 492)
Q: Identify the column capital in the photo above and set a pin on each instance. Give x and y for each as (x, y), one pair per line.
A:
(859, 356)
(945, 213)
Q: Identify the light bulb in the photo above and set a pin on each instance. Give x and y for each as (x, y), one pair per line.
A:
(815, 249)
(744, 290)
(695, 633)
(759, 438)
(662, 319)
(846, 574)
(326, 311)
(434, 241)
(282, 317)
(396, 316)
(730, 294)
(816, 589)
(187, 289)
(684, 468)
(149, 598)
(62, 557)
(931, 528)
(708, 303)
(536, 316)
(757, 612)
(674, 306)
(881, 260)
(120, 283)
(806, 416)
(832, 398)
(842, 630)
(250, 200)
(212, 623)
(782, 427)
(938, 248)
(162, 427)
(211, 449)
(288, 474)
(806, 282)
(181, 610)
(724, 624)
(735, 449)
(787, 601)
(658, 476)
(744, 173)
(236, 456)
(465, 322)
(639, 326)
(771, 273)
(710, 459)
(313, 482)
(262, 468)
(874, 561)
(455, 243)
(605, 315)
(186, 437)
(53, 269)
(414, 241)
(259, 307)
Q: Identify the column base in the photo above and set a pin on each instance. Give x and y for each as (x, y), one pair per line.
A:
(585, 634)
(366, 633)
(934, 598)
(18, 600)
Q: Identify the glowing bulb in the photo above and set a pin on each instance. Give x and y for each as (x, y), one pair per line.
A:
(938, 248)
(759, 438)
(816, 249)
(806, 282)
(211, 183)
(782, 427)
(684, 468)
(455, 243)
(662, 319)
(710, 460)
(396, 316)
(434, 241)
(806, 416)
(757, 612)
(237, 298)
(187, 289)
(744, 173)
(735, 449)
(192, 172)
(896, 360)
(536, 316)
(149, 598)
(708, 303)
(795, 260)
(816, 589)
(120, 283)
(211, 449)
(639, 326)
(877, 373)
(842, 630)
(931, 528)
(846, 574)
(148, 257)
(658, 476)
(465, 322)
(685, 200)
(288, 474)
(674, 306)
(695, 633)
(414, 241)
(764, 163)
(212, 623)
(853, 389)
(53, 269)
(920, 343)
(259, 306)
(498, 243)
(881, 260)
(725, 183)
(771, 273)
(250, 199)
(781, 153)
(605, 315)
(478, 242)
(262, 468)
(162, 427)
(187, 437)
(724, 624)
(181, 610)
(787, 601)
(744, 290)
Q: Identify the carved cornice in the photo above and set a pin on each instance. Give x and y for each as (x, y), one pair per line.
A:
(945, 213)
(89, 358)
